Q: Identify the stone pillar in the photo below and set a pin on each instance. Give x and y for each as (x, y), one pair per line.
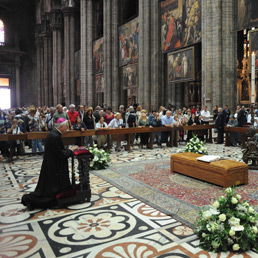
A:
(87, 87)
(17, 79)
(116, 92)
(218, 60)
(56, 26)
(149, 54)
(47, 69)
(39, 69)
(107, 42)
(69, 33)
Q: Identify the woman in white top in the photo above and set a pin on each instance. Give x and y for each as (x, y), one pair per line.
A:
(116, 123)
(101, 139)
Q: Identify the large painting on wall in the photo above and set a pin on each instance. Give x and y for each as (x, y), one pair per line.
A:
(99, 80)
(253, 37)
(98, 56)
(129, 42)
(180, 23)
(247, 14)
(130, 76)
(181, 65)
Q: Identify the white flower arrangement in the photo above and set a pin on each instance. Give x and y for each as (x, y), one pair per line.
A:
(228, 225)
(196, 146)
(100, 160)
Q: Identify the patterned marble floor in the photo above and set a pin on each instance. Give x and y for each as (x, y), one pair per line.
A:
(113, 224)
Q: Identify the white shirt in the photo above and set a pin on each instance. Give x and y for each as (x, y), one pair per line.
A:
(205, 115)
(115, 123)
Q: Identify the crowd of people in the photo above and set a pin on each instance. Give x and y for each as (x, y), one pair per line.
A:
(37, 119)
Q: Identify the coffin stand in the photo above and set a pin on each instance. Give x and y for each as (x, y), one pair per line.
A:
(81, 191)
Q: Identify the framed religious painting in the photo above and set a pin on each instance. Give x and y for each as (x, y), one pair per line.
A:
(253, 39)
(129, 42)
(98, 56)
(99, 80)
(181, 65)
(244, 88)
(180, 24)
(130, 76)
(247, 14)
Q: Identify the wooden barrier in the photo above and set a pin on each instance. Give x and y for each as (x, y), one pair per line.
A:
(241, 130)
(124, 134)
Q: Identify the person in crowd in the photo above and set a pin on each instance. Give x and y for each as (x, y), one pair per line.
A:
(143, 122)
(65, 109)
(49, 125)
(81, 111)
(14, 127)
(116, 123)
(54, 173)
(101, 139)
(60, 113)
(226, 114)
(193, 121)
(219, 125)
(197, 112)
(109, 116)
(215, 113)
(79, 126)
(193, 110)
(72, 114)
(235, 137)
(34, 126)
(241, 117)
(131, 122)
(161, 111)
(167, 121)
(122, 112)
(184, 111)
(205, 120)
(138, 113)
(88, 120)
(96, 114)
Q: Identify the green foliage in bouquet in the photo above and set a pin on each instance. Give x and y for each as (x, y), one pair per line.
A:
(195, 145)
(228, 225)
(100, 160)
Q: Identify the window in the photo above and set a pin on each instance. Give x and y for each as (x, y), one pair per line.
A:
(4, 82)
(1, 33)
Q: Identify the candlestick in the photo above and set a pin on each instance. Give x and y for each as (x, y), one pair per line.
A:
(253, 78)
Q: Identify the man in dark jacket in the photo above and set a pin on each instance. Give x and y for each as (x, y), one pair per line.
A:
(226, 114)
(241, 117)
(219, 125)
(54, 174)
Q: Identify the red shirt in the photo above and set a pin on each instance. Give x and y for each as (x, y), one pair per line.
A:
(72, 116)
(108, 119)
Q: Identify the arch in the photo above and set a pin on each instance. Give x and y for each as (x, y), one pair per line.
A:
(2, 32)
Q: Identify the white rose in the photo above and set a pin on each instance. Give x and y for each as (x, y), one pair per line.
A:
(236, 247)
(222, 217)
(251, 210)
(234, 221)
(207, 215)
(215, 244)
(204, 235)
(216, 204)
(246, 204)
(255, 230)
(238, 196)
(234, 200)
(221, 198)
(228, 190)
(232, 232)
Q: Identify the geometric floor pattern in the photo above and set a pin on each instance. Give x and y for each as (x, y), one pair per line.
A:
(113, 224)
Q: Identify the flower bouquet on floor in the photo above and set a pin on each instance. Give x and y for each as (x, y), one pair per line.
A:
(228, 225)
(195, 145)
(100, 160)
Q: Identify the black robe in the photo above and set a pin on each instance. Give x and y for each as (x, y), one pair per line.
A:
(54, 174)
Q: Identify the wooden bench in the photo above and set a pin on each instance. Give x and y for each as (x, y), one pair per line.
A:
(225, 173)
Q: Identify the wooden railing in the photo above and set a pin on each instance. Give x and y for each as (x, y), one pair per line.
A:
(124, 134)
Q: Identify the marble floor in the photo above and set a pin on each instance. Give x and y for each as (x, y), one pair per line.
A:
(114, 224)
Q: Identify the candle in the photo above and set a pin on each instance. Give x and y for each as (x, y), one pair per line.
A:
(253, 78)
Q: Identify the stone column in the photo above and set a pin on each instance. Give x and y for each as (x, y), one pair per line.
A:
(107, 42)
(47, 69)
(39, 69)
(218, 60)
(57, 25)
(69, 30)
(87, 87)
(116, 91)
(17, 80)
